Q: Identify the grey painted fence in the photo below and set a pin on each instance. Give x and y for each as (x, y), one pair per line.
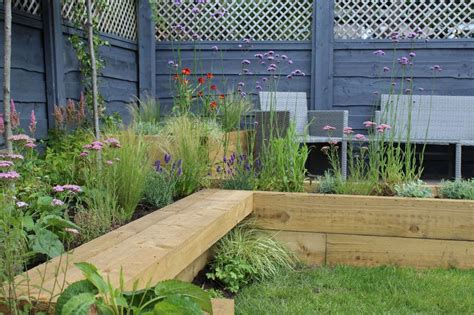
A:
(339, 74)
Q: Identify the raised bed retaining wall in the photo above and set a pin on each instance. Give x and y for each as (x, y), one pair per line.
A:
(370, 231)
(175, 241)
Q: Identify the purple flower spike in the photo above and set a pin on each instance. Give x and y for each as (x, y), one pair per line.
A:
(167, 158)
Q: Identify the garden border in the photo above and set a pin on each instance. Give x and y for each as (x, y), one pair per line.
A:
(176, 241)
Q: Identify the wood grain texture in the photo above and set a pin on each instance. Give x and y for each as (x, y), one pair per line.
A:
(310, 248)
(157, 247)
(365, 215)
(371, 251)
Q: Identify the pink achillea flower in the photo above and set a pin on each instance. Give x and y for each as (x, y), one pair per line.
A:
(347, 130)
(10, 175)
(71, 188)
(96, 146)
(21, 137)
(30, 145)
(84, 154)
(6, 164)
(21, 204)
(329, 128)
(368, 124)
(360, 137)
(113, 142)
(382, 127)
(333, 142)
(12, 156)
(57, 203)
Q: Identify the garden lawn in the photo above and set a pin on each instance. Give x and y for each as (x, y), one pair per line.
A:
(349, 290)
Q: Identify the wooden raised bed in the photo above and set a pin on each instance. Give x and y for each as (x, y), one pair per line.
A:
(174, 242)
(370, 231)
(170, 243)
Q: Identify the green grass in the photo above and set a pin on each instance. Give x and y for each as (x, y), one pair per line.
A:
(348, 290)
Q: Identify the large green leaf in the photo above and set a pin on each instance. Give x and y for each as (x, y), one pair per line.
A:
(57, 222)
(92, 274)
(76, 288)
(177, 305)
(139, 297)
(170, 288)
(79, 304)
(46, 242)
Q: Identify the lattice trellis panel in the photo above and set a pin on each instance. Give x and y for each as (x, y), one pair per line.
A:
(379, 19)
(119, 18)
(234, 20)
(29, 6)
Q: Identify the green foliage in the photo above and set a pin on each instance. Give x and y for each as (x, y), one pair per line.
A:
(247, 254)
(415, 189)
(356, 290)
(186, 138)
(283, 163)
(160, 187)
(167, 297)
(231, 110)
(238, 172)
(129, 172)
(147, 110)
(76, 288)
(62, 162)
(327, 183)
(459, 189)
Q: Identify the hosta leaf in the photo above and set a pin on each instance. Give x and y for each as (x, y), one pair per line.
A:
(79, 304)
(177, 305)
(57, 222)
(46, 242)
(76, 288)
(170, 288)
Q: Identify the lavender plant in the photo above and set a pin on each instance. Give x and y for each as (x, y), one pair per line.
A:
(160, 187)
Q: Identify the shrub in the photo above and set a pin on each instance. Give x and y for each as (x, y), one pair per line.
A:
(459, 189)
(238, 172)
(160, 188)
(327, 184)
(247, 254)
(415, 189)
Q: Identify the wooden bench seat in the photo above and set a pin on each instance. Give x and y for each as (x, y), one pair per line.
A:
(156, 247)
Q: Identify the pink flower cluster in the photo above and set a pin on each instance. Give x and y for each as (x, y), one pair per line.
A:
(96, 146)
(382, 127)
(10, 175)
(347, 130)
(57, 203)
(30, 142)
(6, 164)
(67, 187)
(368, 124)
(329, 128)
(113, 142)
(12, 156)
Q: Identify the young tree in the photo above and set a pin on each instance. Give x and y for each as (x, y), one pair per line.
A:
(7, 60)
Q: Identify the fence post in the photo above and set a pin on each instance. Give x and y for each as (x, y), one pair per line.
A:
(322, 85)
(53, 42)
(146, 50)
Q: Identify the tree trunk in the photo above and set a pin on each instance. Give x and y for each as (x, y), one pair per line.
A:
(95, 92)
(7, 60)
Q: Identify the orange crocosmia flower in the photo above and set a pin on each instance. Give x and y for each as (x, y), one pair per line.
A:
(213, 87)
(222, 96)
(201, 80)
(213, 105)
(186, 71)
(209, 75)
